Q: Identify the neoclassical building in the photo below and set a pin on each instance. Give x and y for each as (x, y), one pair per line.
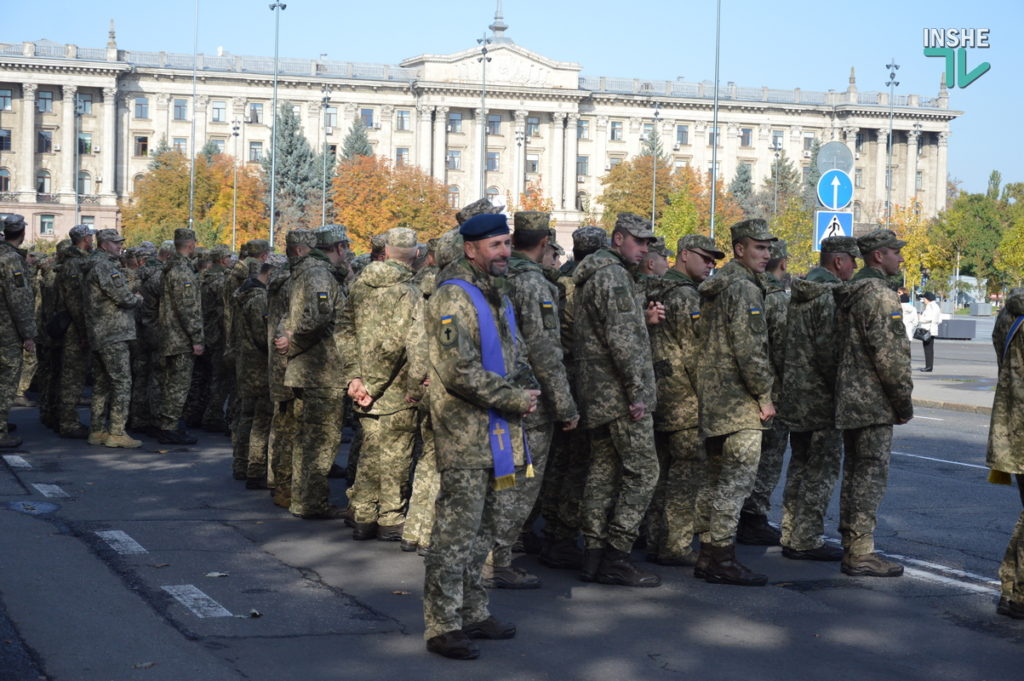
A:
(77, 124)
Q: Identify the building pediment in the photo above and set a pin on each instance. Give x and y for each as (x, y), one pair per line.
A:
(510, 65)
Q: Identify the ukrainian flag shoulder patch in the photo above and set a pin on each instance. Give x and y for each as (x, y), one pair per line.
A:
(755, 310)
(447, 319)
(695, 315)
(896, 315)
(547, 305)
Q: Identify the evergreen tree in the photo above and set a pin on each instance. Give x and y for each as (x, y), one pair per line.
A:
(742, 189)
(994, 180)
(297, 174)
(356, 142)
(811, 181)
(158, 155)
(652, 145)
(209, 150)
(781, 185)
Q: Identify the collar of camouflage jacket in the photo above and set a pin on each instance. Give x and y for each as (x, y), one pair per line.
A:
(462, 268)
(732, 271)
(869, 273)
(676, 278)
(520, 262)
(597, 260)
(384, 273)
(816, 284)
(20, 251)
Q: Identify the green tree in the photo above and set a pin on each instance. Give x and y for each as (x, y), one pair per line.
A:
(297, 175)
(971, 228)
(782, 184)
(1010, 258)
(995, 179)
(627, 188)
(811, 179)
(742, 189)
(356, 143)
(209, 150)
(795, 224)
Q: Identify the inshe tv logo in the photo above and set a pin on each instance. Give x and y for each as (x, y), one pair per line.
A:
(952, 43)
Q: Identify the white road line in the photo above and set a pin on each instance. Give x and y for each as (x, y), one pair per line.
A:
(929, 418)
(926, 576)
(196, 601)
(15, 461)
(121, 542)
(51, 491)
(929, 458)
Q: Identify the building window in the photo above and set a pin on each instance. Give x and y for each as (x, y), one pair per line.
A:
(255, 112)
(5, 99)
(582, 165)
(454, 160)
(746, 137)
(859, 141)
(682, 134)
(715, 168)
(808, 141)
(141, 107)
(220, 111)
(532, 163)
(84, 183)
(858, 177)
(5, 180)
(5, 140)
(712, 137)
(532, 126)
(919, 181)
(453, 197)
(87, 220)
(141, 145)
(777, 139)
(583, 130)
(85, 143)
(43, 182)
(44, 141)
(44, 101)
(492, 195)
(616, 131)
(46, 225)
(614, 162)
(180, 145)
(680, 163)
(648, 130)
(137, 180)
(332, 150)
(856, 212)
(218, 144)
(888, 177)
(401, 156)
(367, 117)
(493, 124)
(454, 122)
(180, 110)
(83, 104)
(402, 120)
(492, 161)
(331, 117)
(255, 151)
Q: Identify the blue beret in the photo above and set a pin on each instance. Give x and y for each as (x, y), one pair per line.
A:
(484, 227)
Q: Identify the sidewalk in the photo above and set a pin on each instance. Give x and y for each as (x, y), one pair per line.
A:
(963, 377)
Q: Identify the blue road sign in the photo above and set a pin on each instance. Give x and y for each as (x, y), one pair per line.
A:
(835, 189)
(831, 223)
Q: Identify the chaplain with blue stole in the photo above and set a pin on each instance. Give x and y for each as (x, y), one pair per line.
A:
(480, 388)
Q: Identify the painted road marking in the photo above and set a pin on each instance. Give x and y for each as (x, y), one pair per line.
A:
(196, 601)
(51, 491)
(929, 458)
(929, 418)
(121, 542)
(15, 461)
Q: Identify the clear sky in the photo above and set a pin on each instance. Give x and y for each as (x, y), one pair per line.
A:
(794, 43)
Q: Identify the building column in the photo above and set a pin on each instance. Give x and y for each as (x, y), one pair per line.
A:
(851, 139)
(199, 108)
(387, 128)
(572, 147)
(69, 144)
(881, 160)
(940, 171)
(123, 186)
(519, 172)
(601, 146)
(26, 163)
(475, 163)
(912, 139)
(557, 154)
(109, 142)
(440, 143)
(423, 115)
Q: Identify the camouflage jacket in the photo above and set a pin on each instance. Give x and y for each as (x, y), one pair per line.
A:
(809, 379)
(1006, 433)
(18, 311)
(567, 299)
(675, 346)
(426, 279)
(461, 391)
(379, 332)
(151, 278)
(776, 301)
(251, 341)
(211, 285)
(611, 347)
(233, 279)
(535, 300)
(873, 386)
(71, 289)
(278, 293)
(314, 305)
(734, 372)
(109, 301)
(181, 312)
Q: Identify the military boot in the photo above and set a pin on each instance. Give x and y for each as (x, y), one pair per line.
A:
(755, 530)
(455, 645)
(75, 432)
(869, 565)
(617, 569)
(122, 441)
(390, 532)
(98, 437)
(364, 531)
(1009, 608)
(723, 568)
(8, 441)
(561, 554)
(591, 563)
(700, 568)
(508, 577)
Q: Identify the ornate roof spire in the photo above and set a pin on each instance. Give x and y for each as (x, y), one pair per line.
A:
(499, 26)
(111, 36)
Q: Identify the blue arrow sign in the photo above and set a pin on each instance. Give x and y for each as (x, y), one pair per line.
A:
(831, 223)
(835, 189)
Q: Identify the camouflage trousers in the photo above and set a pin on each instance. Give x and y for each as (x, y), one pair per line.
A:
(620, 482)
(419, 520)
(732, 467)
(250, 436)
(284, 430)
(769, 469)
(73, 366)
(380, 491)
(866, 453)
(453, 591)
(49, 384)
(112, 391)
(29, 366)
(140, 415)
(314, 449)
(176, 379)
(10, 370)
(810, 480)
(1011, 570)
(673, 511)
(514, 505)
(561, 494)
(221, 380)
(198, 391)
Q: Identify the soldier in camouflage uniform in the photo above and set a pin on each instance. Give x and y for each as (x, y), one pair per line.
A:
(75, 346)
(615, 385)
(1005, 454)
(17, 317)
(476, 414)
(146, 400)
(252, 250)
(252, 426)
(284, 423)
(379, 332)
(211, 284)
(145, 255)
(181, 335)
(873, 392)
(199, 386)
(652, 268)
(30, 358)
(535, 301)
(807, 402)
(51, 339)
(110, 322)
(735, 387)
(675, 346)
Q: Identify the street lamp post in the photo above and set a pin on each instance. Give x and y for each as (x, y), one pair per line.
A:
(520, 163)
(276, 8)
(192, 135)
(325, 102)
(654, 165)
(777, 148)
(236, 125)
(78, 159)
(714, 149)
(483, 59)
(891, 84)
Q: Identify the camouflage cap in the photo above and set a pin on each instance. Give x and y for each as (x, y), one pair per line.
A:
(531, 221)
(12, 223)
(202, 254)
(254, 267)
(589, 238)
(478, 207)
(167, 245)
(432, 246)
(147, 248)
(635, 225)
(377, 242)
(755, 228)
(699, 242)
(108, 235)
(449, 247)
(301, 237)
(79, 232)
(219, 252)
(328, 236)
(400, 237)
(779, 251)
(183, 234)
(840, 244)
(559, 251)
(880, 238)
(658, 246)
(256, 248)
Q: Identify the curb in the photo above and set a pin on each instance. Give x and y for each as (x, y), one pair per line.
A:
(952, 406)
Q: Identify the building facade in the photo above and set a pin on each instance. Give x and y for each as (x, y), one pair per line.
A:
(77, 125)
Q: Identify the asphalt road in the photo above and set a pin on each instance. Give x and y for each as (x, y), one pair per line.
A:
(158, 566)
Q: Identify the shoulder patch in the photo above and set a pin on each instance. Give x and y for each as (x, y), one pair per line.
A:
(19, 278)
(695, 315)
(188, 284)
(547, 305)
(755, 311)
(321, 295)
(448, 331)
(115, 275)
(896, 315)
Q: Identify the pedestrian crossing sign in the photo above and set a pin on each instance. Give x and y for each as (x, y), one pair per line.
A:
(831, 223)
